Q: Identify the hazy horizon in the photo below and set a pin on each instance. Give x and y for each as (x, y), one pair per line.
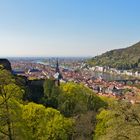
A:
(62, 28)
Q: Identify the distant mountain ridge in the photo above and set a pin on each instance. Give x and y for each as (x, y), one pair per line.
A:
(126, 58)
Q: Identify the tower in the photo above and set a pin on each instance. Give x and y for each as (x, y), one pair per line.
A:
(57, 74)
(57, 67)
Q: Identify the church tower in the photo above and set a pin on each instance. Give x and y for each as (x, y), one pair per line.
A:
(57, 67)
(57, 74)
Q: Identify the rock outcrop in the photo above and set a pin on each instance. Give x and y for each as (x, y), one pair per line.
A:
(6, 64)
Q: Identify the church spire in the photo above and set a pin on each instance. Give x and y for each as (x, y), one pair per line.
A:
(57, 67)
(57, 75)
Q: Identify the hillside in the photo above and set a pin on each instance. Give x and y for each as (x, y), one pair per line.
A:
(127, 58)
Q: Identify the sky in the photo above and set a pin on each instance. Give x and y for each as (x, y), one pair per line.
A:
(67, 27)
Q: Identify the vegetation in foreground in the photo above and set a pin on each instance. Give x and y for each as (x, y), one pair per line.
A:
(68, 112)
(119, 121)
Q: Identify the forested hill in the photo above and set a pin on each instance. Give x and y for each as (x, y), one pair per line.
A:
(127, 58)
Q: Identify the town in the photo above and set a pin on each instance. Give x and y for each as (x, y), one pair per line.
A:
(77, 71)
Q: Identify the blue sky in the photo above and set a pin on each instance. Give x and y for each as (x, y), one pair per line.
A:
(67, 27)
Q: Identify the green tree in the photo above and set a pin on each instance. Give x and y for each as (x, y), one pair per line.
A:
(45, 123)
(9, 93)
(76, 98)
(118, 122)
(51, 93)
